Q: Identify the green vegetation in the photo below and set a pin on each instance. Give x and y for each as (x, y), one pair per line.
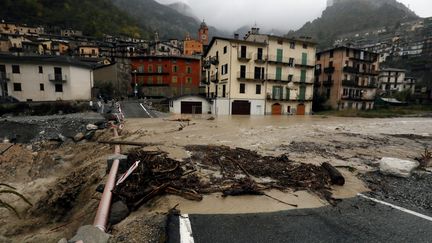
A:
(383, 112)
(6, 189)
(352, 16)
(94, 17)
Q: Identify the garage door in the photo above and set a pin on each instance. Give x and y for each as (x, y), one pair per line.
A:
(241, 107)
(189, 107)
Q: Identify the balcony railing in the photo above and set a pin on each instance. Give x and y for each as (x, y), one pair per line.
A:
(353, 83)
(329, 70)
(274, 77)
(350, 69)
(250, 76)
(298, 80)
(244, 56)
(57, 78)
(4, 77)
(305, 62)
(260, 58)
(281, 60)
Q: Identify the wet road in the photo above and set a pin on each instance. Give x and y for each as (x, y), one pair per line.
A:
(353, 220)
(137, 109)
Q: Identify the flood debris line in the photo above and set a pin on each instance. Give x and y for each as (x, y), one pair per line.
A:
(213, 169)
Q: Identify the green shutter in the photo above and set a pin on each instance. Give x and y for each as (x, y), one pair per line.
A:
(302, 95)
(288, 93)
(279, 56)
(304, 58)
(303, 76)
(278, 73)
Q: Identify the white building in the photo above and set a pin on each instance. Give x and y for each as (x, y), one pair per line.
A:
(45, 78)
(190, 105)
(394, 80)
(262, 74)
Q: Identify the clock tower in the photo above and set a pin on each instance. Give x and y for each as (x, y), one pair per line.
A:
(203, 34)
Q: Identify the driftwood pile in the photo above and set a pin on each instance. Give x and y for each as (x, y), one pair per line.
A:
(236, 172)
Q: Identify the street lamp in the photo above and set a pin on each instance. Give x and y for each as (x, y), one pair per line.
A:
(136, 85)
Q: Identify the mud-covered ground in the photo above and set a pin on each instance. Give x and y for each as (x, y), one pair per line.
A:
(60, 179)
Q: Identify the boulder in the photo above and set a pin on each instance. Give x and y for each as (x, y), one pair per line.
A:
(397, 167)
(90, 127)
(78, 137)
(90, 234)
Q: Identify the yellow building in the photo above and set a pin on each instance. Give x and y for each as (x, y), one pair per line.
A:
(262, 74)
(192, 47)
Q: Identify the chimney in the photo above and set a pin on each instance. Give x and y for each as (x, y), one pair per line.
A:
(236, 36)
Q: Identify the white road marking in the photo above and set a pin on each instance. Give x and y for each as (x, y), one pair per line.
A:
(185, 229)
(397, 207)
(146, 110)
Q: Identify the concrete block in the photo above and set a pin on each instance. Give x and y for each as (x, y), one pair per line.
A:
(123, 162)
(90, 234)
(397, 167)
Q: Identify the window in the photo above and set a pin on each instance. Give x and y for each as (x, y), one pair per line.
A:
(189, 80)
(174, 79)
(17, 87)
(150, 80)
(347, 52)
(242, 88)
(318, 57)
(331, 64)
(224, 91)
(280, 42)
(41, 87)
(292, 45)
(175, 69)
(291, 62)
(159, 80)
(305, 46)
(258, 89)
(225, 49)
(40, 69)
(59, 88)
(259, 73)
(189, 70)
(159, 68)
(290, 78)
(331, 54)
(150, 68)
(224, 69)
(242, 71)
(15, 69)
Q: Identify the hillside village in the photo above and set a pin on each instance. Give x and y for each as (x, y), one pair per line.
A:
(142, 130)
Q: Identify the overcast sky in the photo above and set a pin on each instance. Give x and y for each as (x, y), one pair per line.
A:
(279, 14)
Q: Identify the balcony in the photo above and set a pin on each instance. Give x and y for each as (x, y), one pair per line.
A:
(214, 78)
(281, 60)
(260, 59)
(4, 77)
(276, 97)
(309, 63)
(244, 57)
(298, 80)
(249, 76)
(60, 78)
(353, 83)
(318, 72)
(329, 70)
(328, 83)
(348, 69)
(279, 78)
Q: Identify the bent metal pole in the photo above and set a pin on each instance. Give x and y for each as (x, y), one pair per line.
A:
(102, 214)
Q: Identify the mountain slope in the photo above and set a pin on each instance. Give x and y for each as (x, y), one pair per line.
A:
(94, 17)
(347, 16)
(183, 9)
(158, 17)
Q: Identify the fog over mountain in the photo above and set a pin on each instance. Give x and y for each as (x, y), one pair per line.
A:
(282, 15)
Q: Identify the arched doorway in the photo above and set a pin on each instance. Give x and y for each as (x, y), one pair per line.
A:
(276, 109)
(301, 110)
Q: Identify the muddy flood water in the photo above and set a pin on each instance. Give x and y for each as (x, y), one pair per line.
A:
(354, 145)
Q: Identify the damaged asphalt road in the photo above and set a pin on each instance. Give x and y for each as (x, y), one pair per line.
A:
(353, 220)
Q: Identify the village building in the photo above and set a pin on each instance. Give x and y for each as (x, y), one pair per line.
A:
(260, 75)
(393, 80)
(347, 78)
(42, 78)
(166, 76)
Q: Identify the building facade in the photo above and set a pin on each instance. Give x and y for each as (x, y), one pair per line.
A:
(262, 74)
(393, 80)
(347, 78)
(166, 76)
(44, 78)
